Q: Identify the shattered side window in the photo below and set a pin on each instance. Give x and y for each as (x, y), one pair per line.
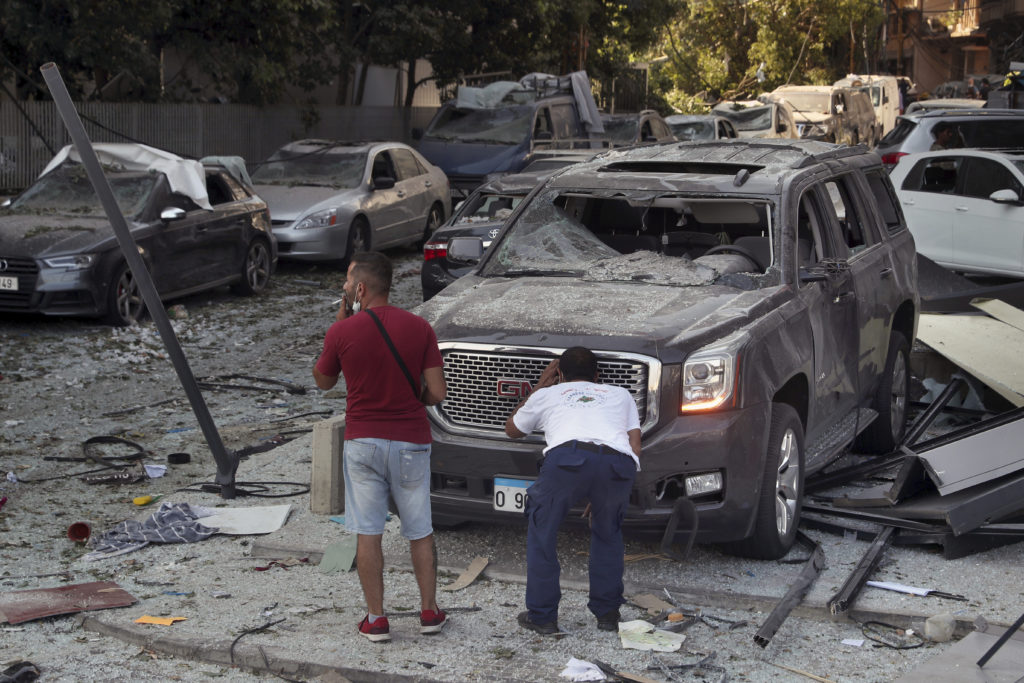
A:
(546, 238)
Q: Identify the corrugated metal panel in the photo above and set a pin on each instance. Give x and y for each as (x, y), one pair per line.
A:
(190, 130)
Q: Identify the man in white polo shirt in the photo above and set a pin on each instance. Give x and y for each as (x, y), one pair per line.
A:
(592, 433)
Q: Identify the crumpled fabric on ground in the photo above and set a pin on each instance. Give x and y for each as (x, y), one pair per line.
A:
(172, 523)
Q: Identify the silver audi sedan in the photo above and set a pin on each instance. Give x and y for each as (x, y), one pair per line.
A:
(329, 199)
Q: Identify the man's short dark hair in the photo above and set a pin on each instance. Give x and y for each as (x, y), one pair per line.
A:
(941, 127)
(373, 269)
(578, 364)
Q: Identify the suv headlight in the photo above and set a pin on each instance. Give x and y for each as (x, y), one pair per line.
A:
(320, 219)
(76, 262)
(709, 375)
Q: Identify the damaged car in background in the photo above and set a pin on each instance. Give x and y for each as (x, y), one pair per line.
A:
(330, 199)
(757, 299)
(197, 225)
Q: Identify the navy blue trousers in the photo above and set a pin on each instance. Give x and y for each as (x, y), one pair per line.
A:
(570, 474)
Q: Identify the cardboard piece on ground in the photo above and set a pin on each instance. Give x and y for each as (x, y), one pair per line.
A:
(652, 603)
(958, 663)
(1000, 310)
(985, 347)
(19, 606)
(247, 520)
(641, 635)
(338, 557)
(469, 576)
(159, 621)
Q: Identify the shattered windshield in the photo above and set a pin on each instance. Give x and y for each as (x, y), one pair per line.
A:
(501, 126)
(809, 101)
(488, 208)
(751, 118)
(604, 236)
(320, 167)
(620, 129)
(67, 189)
(693, 130)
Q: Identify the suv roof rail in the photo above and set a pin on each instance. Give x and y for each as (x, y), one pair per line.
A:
(837, 153)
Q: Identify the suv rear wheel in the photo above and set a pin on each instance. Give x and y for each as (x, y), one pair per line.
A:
(782, 490)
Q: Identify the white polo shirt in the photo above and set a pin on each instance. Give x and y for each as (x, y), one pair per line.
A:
(581, 411)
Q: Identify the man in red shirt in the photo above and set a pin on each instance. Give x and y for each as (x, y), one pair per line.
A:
(387, 435)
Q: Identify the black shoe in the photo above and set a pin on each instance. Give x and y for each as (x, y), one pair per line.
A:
(609, 622)
(548, 629)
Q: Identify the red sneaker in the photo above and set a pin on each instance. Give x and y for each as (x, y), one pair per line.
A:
(378, 632)
(432, 622)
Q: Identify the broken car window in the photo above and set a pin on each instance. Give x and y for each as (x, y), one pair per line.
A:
(503, 126)
(486, 208)
(67, 189)
(664, 239)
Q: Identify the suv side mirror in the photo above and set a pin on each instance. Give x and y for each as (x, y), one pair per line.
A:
(417, 134)
(383, 182)
(1006, 197)
(172, 213)
(465, 250)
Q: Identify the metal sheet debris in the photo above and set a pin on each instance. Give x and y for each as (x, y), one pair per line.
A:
(26, 605)
(984, 456)
(797, 591)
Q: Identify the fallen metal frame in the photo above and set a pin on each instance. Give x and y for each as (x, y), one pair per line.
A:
(226, 463)
(840, 603)
(797, 590)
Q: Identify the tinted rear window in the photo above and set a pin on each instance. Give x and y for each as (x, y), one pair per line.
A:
(899, 133)
(990, 132)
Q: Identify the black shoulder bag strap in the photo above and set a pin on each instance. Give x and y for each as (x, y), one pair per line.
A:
(394, 351)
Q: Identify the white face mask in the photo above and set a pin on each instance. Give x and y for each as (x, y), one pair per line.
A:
(356, 307)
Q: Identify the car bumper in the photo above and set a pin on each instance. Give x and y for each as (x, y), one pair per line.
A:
(732, 443)
(53, 291)
(312, 244)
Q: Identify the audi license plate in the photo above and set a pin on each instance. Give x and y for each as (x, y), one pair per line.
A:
(9, 283)
(510, 494)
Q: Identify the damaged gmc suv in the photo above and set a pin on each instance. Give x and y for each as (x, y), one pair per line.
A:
(757, 298)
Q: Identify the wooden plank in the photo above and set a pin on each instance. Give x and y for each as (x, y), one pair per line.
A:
(984, 347)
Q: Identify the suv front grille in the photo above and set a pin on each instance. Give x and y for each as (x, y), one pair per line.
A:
(484, 387)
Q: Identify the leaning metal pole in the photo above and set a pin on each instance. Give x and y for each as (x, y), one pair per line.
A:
(226, 464)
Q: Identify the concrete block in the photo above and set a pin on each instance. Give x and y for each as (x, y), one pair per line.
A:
(327, 482)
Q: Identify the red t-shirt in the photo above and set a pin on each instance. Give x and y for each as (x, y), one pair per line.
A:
(381, 404)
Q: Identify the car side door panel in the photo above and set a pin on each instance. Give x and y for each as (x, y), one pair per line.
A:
(988, 236)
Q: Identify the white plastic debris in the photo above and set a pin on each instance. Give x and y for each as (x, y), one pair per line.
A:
(155, 471)
(939, 628)
(580, 670)
(641, 635)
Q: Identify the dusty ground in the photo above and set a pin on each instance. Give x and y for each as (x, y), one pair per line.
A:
(64, 381)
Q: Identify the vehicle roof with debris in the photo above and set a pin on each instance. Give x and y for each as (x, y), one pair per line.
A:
(726, 166)
(319, 144)
(185, 176)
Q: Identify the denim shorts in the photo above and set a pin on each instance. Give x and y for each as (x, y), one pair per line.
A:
(375, 468)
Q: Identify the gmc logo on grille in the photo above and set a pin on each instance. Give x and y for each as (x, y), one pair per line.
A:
(514, 388)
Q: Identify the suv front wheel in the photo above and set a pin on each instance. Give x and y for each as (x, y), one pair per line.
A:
(782, 490)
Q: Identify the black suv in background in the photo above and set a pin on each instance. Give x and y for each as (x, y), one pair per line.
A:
(757, 298)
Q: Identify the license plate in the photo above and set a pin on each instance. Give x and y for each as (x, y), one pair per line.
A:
(9, 283)
(510, 494)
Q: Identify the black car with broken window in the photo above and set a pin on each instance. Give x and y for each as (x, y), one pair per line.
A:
(197, 225)
(757, 298)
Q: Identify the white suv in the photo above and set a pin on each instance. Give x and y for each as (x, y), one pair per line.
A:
(965, 209)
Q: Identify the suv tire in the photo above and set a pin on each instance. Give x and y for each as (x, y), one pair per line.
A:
(885, 433)
(782, 490)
